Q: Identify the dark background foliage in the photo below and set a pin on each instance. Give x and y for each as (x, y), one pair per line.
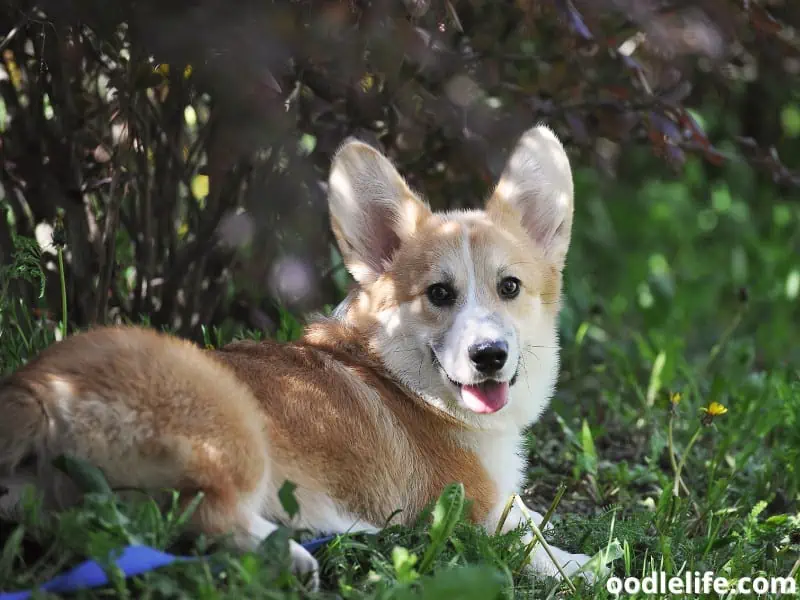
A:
(186, 143)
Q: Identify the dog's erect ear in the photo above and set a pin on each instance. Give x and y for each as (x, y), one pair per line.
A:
(372, 209)
(536, 187)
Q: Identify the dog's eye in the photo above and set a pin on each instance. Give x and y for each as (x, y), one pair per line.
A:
(509, 288)
(441, 294)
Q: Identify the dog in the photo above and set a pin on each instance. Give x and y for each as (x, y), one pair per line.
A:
(444, 352)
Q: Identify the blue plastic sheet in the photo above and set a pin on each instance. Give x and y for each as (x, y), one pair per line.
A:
(132, 561)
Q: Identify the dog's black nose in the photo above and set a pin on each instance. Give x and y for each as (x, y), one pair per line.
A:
(488, 357)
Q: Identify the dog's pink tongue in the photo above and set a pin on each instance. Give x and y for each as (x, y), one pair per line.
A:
(485, 398)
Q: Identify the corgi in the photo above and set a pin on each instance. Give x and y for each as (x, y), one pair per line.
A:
(427, 374)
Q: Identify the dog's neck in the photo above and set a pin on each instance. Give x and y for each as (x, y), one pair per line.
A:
(351, 345)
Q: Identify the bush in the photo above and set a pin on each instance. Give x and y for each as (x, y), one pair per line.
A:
(186, 144)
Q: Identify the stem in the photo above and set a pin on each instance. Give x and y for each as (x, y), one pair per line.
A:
(562, 489)
(63, 293)
(795, 569)
(546, 519)
(504, 515)
(674, 464)
(540, 537)
(671, 446)
(676, 486)
(723, 340)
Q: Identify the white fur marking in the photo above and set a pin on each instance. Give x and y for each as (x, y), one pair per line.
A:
(302, 561)
(472, 279)
(260, 528)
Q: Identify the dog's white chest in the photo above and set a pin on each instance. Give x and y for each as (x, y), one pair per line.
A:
(502, 456)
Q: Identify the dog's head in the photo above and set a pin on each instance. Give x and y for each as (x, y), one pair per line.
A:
(462, 306)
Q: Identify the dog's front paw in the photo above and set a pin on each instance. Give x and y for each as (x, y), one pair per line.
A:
(304, 565)
(574, 562)
(542, 564)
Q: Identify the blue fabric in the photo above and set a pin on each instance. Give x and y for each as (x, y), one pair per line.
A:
(134, 560)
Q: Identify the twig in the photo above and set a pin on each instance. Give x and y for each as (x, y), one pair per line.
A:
(504, 515)
(677, 470)
(60, 252)
(540, 537)
(546, 519)
(795, 568)
(723, 340)
(108, 259)
(682, 463)
(14, 31)
(562, 489)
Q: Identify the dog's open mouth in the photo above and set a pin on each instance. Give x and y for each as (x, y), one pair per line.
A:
(486, 397)
(483, 398)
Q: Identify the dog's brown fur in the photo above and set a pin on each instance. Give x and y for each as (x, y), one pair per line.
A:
(156, 412)
(401, 451)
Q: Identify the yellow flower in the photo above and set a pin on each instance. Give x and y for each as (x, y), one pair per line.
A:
(163, 69)
(715, 409)
(675, 398)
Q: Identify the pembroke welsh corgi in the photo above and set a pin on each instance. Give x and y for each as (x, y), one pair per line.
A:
(426, 375)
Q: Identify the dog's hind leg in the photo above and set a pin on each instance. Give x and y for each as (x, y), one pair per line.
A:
(153, 414)
(233, 474)
(220, 514)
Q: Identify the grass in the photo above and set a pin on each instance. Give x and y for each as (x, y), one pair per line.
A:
(675, 430)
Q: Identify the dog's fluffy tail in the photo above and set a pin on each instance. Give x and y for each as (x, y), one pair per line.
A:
(24, 425)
